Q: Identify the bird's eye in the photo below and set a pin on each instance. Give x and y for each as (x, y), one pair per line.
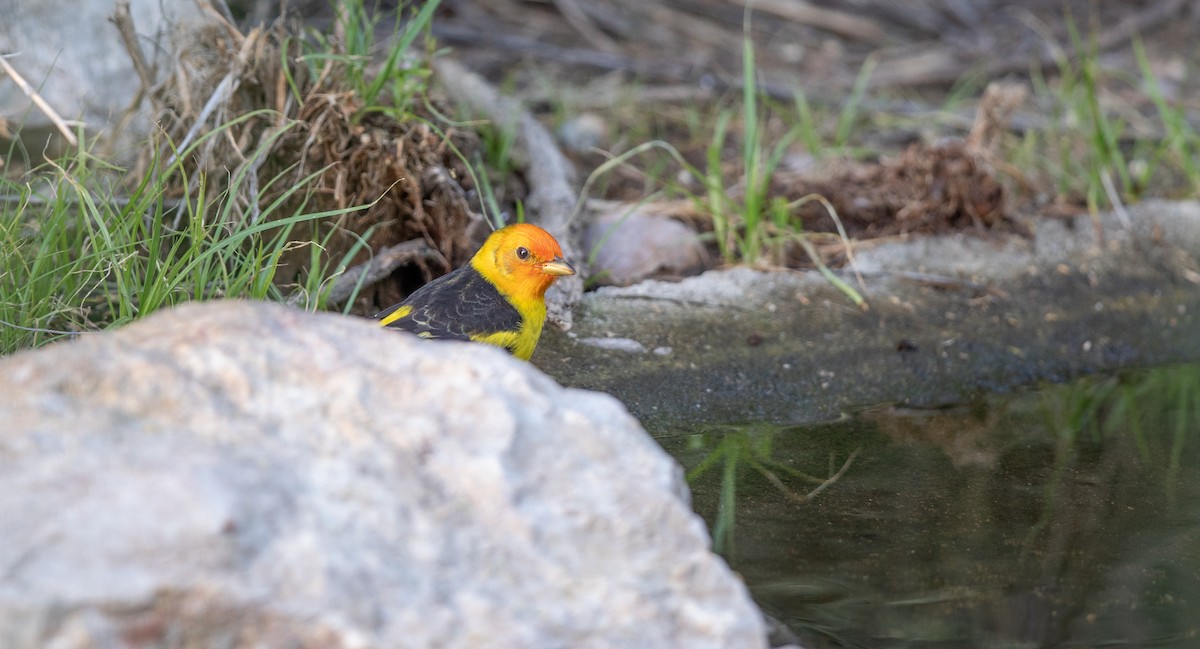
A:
(523, 253)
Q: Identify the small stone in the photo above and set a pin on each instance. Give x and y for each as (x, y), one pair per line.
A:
(583, 132)
(631, 246)
(616, 344)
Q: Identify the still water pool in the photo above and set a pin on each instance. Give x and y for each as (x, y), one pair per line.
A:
(1067, 516)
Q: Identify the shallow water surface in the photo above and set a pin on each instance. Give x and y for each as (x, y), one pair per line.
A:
(1067, 516)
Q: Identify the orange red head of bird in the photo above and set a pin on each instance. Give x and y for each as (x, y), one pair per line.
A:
(525, 257)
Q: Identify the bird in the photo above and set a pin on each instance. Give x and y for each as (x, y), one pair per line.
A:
(498, 298)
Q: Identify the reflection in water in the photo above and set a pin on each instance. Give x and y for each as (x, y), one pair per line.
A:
(1068, 516)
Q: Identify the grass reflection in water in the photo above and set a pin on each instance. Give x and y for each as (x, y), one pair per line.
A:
(1063, 516)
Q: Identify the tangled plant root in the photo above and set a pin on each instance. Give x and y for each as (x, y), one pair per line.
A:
(254, 123)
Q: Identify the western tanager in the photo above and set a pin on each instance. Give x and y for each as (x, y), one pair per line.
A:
(498, 298)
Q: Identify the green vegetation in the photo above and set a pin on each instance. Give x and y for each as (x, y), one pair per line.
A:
(1179, 149)
(395, 86)
(1082, 141)
(1090, 150)
(830, 135)
(1080, 147)
(85, 246)
(748, 221)
(740, 225)
(79, 254)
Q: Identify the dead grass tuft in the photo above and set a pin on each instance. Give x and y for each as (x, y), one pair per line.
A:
(252, 109)
(926, 189)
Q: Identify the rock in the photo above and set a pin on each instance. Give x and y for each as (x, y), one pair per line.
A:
(627, 345)
(72, 54)
(243, 475)
(631, 246)
(583, 132)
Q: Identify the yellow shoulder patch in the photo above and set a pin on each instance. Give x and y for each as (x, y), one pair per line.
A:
(395, 315)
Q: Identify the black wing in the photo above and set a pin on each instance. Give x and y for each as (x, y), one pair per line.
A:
(458, 305)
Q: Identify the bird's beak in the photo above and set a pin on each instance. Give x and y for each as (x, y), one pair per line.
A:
(557, 266)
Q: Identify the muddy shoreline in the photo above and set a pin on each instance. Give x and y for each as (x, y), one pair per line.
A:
(949, 317)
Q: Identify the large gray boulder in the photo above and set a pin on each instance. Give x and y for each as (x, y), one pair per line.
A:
(243, 475)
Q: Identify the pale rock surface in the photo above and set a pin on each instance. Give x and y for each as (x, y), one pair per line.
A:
(630, 246)
(72, 54)
(242, 475)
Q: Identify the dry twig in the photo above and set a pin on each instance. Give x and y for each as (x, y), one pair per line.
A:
(46, 109)
(838, 22)
(125, 27)
(378, 267)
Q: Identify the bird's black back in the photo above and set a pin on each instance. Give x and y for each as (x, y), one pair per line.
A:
(458, 305)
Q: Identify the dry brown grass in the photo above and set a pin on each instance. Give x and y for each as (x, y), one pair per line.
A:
(253, 107)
